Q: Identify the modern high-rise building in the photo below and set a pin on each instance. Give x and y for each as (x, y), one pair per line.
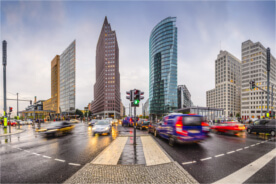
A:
(107, 87)
(68, 79)
(226, 94)
(163, 67)
(184, 97)
(55, 83)
(254, 59)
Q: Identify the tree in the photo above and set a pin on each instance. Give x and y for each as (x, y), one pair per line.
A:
(238, 115)
(79, 113)
(89, 114)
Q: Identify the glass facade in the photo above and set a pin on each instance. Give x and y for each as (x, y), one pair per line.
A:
(163, 67)
(68, 78)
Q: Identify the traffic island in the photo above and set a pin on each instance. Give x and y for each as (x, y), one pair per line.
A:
(147, 162)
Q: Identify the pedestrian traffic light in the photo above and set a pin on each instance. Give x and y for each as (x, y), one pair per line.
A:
(10, 108)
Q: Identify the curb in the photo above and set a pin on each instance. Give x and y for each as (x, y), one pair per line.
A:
(2, 135)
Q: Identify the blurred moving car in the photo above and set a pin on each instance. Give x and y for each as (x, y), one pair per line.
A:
(109, 120)
(152, 127)
(263, 126)
(228, 127)
(181, 128)
(205, 127)
(57, 129)
(129, 121)
(12, 123)
(92, 122)
(101, 127)
(143, 124)
(74, 121)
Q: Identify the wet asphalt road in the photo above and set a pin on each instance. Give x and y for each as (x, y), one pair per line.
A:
(215, 168)
(30, 158)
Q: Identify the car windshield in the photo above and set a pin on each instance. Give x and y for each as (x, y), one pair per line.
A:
(146, 122)
(102, 123)
(192, 120)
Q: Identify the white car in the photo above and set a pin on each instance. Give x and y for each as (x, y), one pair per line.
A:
(110, 120)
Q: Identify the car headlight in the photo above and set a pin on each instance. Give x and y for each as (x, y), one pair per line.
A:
(106, 128)
(94, 128)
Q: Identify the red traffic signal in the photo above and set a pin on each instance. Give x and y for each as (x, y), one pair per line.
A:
(10, 108)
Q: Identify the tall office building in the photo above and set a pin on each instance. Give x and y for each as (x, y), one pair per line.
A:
(254, 102)
(107, 87)
(226, 94)
(163, 67)
(184, 97)
(55, 82)
(68, 79)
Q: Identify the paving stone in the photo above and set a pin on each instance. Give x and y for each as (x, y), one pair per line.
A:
(163, 173)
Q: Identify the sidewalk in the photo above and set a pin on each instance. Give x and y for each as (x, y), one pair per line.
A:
(121, 162)
(13, 131)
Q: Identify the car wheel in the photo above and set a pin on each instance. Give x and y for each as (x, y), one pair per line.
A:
(249, 131)
(171, 141)
(141, 128)
(155, 133)
(272, 133)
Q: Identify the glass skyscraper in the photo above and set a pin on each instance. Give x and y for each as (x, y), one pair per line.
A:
(163, 67)
(68, 78)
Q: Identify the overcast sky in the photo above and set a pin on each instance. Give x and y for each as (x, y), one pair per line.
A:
(37, 31)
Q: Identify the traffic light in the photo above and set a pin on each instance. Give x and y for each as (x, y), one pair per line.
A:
(252, 84)
(130, 97)
(10, 108)
(136, 97)
(140, 95)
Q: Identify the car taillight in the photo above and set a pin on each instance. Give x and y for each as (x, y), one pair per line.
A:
(204, 124)
(179, 127)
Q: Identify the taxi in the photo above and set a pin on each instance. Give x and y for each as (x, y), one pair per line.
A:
(57, 129)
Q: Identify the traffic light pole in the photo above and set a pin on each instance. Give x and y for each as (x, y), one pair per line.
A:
(4, 63)
(10, 122)
(268, 71)
(134, 126)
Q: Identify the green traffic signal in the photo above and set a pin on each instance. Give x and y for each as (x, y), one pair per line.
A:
(136, 102)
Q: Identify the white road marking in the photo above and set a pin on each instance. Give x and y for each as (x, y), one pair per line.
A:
(246, 172)
(206, 158)
(19, 148)
(219, 155)
(246, 147)
(257, 143)
(74, 164)
(27, 151)
(184, 163)
(230, 152)
(239, 149)
(60, 160)
(36, 154)
(262, 142)
(46, 156)
(253, 145)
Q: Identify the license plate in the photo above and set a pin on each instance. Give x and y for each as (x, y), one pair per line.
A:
(193, 131)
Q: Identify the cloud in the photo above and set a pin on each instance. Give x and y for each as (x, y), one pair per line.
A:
(37, 31)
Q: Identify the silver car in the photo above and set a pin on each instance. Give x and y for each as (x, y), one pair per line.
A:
(101, 127)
